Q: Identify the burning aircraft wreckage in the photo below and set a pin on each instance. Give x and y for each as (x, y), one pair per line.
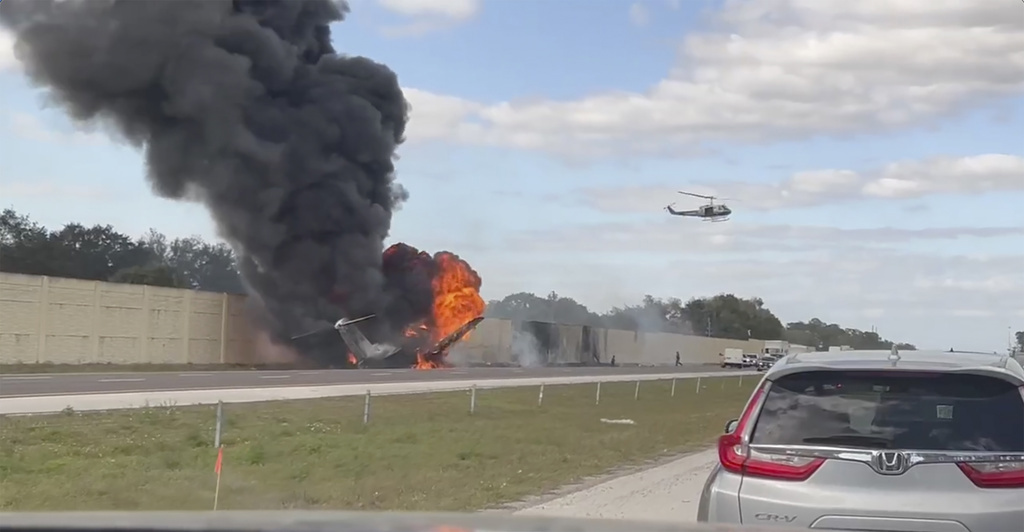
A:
(246, 107)
(455, 309)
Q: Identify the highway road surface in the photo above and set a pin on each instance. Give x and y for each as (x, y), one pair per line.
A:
(56, 384)
(668, 493)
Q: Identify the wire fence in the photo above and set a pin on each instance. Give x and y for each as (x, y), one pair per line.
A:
(339, 452)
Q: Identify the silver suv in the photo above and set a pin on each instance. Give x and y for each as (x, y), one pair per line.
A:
(913, 441)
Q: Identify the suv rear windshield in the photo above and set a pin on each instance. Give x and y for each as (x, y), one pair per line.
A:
(920, 411)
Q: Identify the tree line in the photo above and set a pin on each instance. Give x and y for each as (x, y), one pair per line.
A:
(101, 253)
(720, 316)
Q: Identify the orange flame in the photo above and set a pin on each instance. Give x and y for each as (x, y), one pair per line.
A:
(456, 301)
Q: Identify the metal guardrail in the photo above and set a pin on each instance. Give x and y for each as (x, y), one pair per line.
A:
(126, 400)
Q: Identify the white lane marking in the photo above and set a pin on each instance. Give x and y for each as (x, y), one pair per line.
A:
(380, 374)
(33, 378)
(310, 373)
(121, 380)
(275, 376)
(460, 372)
(195, 374)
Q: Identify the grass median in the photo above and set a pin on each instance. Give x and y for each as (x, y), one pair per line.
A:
(418, 452)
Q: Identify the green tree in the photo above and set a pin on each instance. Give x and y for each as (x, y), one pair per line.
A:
(728, 316)
(96, 252)
(25, 246)
(77, 251)
(153, 275)
(204, 266)
(103, 254)
(820, 335)
(652, 315)
(530, 307)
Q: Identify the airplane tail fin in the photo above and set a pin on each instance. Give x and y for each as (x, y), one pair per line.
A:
(357, 343)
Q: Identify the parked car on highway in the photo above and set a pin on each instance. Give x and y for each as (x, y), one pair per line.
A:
(918, 441)
(767, 361)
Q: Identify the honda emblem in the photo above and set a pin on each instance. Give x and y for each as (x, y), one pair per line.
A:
(890, 462)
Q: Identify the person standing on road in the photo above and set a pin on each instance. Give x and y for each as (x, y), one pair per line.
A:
(678, 363)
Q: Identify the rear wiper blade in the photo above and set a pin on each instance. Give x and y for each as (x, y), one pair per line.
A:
(853, 440)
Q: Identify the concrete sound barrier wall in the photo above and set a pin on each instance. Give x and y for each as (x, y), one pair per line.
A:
(71, 321)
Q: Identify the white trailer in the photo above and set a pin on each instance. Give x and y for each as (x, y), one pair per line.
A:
(732, 357)
(775, 348)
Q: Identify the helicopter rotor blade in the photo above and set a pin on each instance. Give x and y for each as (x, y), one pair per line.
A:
(696, 195)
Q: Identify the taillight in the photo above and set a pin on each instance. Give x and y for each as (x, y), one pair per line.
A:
(739, 458)
(994, 474)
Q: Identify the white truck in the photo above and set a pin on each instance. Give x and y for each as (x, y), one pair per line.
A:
(734, 357)
(772, 352)
(775, 348)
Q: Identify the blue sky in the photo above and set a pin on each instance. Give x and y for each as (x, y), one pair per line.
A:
(870, 188)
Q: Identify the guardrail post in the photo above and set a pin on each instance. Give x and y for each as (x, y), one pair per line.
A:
(698, 384)
(366, 409)
(540, 396)
(220, 424)
(740, 385)
(472, 399)
(673, 393)
(597, 399)
(636, 393)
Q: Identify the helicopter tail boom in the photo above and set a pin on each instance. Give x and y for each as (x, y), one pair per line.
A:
(681, 213)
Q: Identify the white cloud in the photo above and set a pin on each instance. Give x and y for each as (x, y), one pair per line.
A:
(931, 300)
(433, 116)
(981, 173)
(856, 277)
(428, 16)
(993, 285)
(451, 9)
(975, 174)
(31, 127)
(639, 16)
(47, 190)
(773, 69)
(7, 59)
(669, 238)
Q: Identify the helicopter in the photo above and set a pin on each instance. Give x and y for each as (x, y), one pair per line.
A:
(708, 213)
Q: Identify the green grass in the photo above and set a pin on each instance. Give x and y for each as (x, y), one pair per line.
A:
(14, 369)
(419, 452)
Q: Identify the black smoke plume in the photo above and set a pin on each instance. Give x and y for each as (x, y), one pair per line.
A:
(245, 106)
